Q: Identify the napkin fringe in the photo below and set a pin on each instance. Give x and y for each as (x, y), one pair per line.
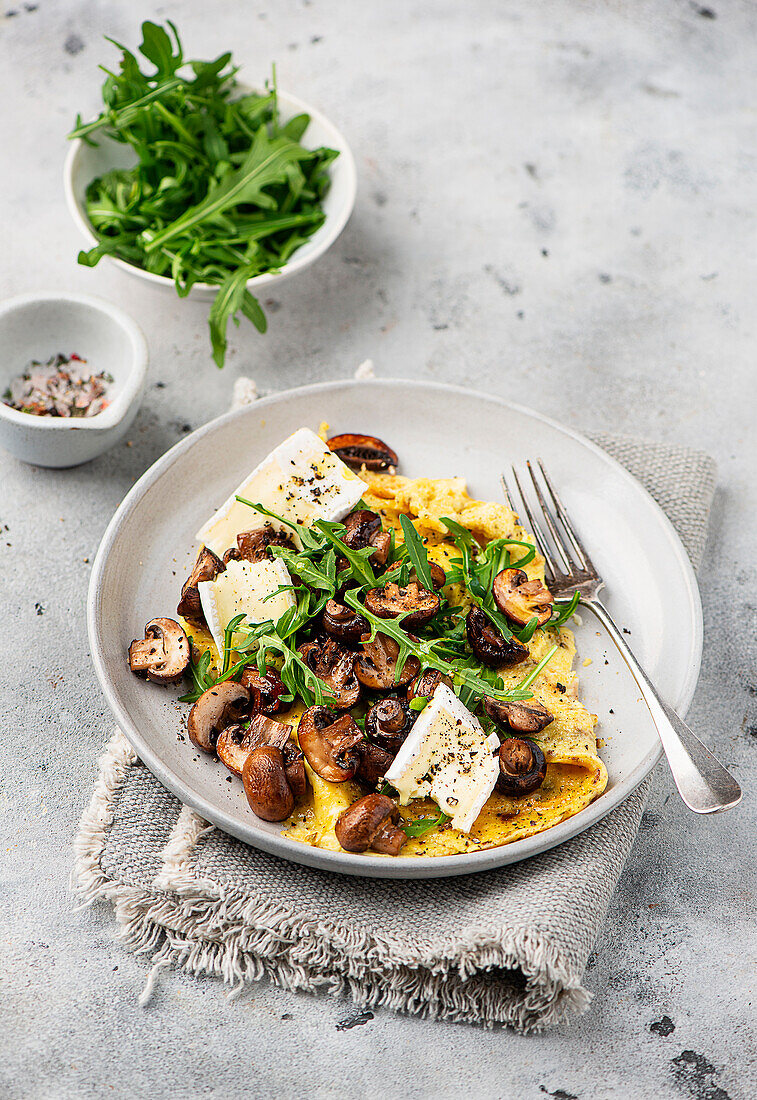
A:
(192, 923)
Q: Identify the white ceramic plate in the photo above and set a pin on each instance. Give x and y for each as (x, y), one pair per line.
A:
(86, 162)
(437, 431)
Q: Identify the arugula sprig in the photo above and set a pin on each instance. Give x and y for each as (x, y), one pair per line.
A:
(419, 826)
(221, 189)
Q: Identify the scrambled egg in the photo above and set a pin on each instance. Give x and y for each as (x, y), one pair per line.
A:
(575, 774)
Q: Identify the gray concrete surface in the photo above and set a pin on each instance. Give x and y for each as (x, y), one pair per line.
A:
(557, 203)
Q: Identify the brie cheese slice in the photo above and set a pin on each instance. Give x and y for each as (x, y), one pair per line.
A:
(449, 757)
(301, 480)
(242, 590)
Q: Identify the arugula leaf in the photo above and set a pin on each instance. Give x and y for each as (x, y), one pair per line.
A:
(565, 609)
(417, 553)
(201, 680)
(422, 825)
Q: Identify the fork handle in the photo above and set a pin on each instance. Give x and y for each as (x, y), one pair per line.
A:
(703, 783)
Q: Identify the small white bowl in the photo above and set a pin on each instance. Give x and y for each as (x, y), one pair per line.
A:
(38, 326)
(86, 162)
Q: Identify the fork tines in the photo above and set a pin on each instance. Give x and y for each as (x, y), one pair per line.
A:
(571, 563)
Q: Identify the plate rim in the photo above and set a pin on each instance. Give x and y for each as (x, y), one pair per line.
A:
(414, 867)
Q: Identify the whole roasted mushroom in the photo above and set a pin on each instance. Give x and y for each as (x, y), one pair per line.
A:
(525, 717)
(363, 450)
(163, 654)
(522, 767)
(222, 705)
(362, 529)
(521, 599)
(388, 723)
(412, 604)
(206, 568)
(377, 668)
(329, 743)
(491, 647)
(255, 545)
(335, 666)
(266, 691)
(236, 742)
(373, 763)
(424, 686)
(266, 785)
(343, 624)
(294, 767)
(371, 822)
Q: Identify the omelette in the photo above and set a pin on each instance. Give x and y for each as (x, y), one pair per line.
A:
(574, 775)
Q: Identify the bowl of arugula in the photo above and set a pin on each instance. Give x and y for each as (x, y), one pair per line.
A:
(191, 180)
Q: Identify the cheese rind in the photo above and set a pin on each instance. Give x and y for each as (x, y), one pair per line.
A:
(301, 480)
(242, 590)
(449, 757)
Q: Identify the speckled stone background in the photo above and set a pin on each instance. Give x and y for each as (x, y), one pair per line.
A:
(557, 203)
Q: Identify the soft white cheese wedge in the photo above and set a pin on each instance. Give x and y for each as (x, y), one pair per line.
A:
(447, 756)
(242, 590)
(301, 480)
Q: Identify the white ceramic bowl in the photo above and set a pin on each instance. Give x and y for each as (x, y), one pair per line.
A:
(38, 326)
(85, 163)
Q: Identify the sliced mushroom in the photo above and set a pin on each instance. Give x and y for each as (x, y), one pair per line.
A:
(223, 705)
(335, 665)
(236, 742)
(206, 568)
(266, 691)
(363, 450)
(373, 763)
(371, 822)
(255, 545)
(491, 647)
(376, 665)
(388, 723)
(522, 767)
(438, 576)
(329, 743)
(412, 604)
(265, 784)
(520, 599)
(526, 717)
(163, 654)
(424, 686)
(362, 529)
(343, 624)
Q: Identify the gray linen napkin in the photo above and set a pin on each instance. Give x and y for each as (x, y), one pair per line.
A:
(506, 946)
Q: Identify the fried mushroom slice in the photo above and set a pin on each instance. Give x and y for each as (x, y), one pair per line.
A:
(266, 691)
(163, 654)
(362, 529)
(412, 604)
(220, 706)
(342, 623)
(438, 576)
(524, 717)
(266, 785)
(388, 723)
(371, 822)
(335, 666)
(489, 645)
(329, 743)
(206, 568)
(522, 767)
(255, 545)
(236, 742)
(376, 665)
(363, 450)
(521, 599)
(424, 686)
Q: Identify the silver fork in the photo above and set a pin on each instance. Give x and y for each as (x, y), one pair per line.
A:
(703, 783)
